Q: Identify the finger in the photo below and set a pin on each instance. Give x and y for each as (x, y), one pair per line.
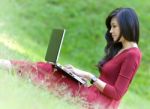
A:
(68, 66)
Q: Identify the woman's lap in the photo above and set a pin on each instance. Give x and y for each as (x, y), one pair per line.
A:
(41, 72)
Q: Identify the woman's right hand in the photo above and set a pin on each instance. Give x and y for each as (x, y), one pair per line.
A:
(81, 73)
(72, 69)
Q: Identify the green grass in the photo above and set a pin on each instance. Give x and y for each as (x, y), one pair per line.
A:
(18, 93)
(25, 26)
(133, 101)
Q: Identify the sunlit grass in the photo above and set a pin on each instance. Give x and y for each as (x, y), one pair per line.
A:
(8, 41)
(19, 93)
(12, 44)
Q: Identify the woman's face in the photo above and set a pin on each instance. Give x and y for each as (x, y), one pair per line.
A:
(115, 29)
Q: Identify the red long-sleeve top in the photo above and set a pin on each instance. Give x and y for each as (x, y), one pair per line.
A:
(118, 74)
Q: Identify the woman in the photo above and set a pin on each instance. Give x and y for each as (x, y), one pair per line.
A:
(118, 67)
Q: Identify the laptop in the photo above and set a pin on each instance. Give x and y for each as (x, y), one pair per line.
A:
(53, 52)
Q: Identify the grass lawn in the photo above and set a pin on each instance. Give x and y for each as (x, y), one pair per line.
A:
(25, 26)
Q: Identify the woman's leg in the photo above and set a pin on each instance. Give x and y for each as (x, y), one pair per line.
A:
(45, 74)
(38, 71)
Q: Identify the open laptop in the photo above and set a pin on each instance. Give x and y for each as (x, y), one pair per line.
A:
(53, 52)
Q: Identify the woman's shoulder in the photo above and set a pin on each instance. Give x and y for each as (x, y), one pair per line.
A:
(134, 53)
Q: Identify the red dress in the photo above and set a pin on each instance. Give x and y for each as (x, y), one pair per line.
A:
(117, 73)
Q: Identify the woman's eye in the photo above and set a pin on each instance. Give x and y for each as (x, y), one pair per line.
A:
(114, 26)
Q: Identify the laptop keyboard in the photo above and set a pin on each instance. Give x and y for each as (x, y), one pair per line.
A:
(79, 79)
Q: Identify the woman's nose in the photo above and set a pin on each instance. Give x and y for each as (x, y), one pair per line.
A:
(110, 30)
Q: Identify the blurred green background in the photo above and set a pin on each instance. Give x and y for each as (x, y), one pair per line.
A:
(25, 27)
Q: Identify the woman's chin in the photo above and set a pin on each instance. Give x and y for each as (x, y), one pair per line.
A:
(114, 39)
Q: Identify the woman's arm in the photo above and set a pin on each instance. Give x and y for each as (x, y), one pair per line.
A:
(88, 76)
(127, 72)
(116, 91)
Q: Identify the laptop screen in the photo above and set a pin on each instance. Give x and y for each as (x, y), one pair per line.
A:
(54, 45)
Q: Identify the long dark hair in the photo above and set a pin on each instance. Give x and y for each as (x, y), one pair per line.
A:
(129, 29)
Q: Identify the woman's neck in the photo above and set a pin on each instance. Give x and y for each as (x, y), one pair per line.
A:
(127, 44)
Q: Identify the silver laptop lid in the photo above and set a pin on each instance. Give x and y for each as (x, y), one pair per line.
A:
(54, 46)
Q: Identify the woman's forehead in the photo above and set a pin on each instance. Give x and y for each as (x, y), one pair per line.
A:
(114, 21)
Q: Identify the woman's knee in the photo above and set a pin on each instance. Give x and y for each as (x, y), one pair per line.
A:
(5, 64)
